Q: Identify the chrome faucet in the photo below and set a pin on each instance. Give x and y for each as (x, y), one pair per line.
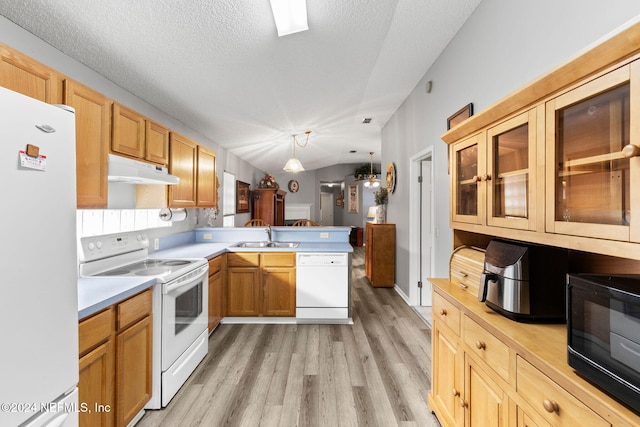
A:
(268, 230)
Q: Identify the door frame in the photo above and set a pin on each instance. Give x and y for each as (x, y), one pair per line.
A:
(414, 222)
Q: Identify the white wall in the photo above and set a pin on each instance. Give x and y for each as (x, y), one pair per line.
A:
(504, 45)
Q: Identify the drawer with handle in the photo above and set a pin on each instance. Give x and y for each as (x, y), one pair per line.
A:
(557, 406)
(486, 345)
(446, 312)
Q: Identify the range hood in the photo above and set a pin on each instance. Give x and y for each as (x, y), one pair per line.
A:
(125, 170)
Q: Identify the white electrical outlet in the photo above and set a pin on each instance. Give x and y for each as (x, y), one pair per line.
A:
(156, 244)
(324, 235)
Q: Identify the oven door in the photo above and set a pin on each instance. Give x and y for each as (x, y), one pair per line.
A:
(184, 313)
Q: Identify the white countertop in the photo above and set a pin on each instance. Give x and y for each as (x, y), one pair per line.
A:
(98, 293)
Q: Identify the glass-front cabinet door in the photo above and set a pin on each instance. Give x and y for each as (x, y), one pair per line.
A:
(467, 160)
(511, 178)
(593, 172)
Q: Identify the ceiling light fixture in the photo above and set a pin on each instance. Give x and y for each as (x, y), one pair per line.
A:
(293, 164)
(372, 181)
(290, 16)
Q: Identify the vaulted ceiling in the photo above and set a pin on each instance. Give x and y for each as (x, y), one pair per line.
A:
(219, 67)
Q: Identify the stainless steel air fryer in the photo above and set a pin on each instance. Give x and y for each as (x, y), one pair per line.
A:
(525, 282)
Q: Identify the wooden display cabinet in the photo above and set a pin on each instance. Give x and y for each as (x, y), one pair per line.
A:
(380, 258)
(593, 168)
(495, 177)
(268, 205)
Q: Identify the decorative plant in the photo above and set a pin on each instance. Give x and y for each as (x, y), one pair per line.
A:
(381, 196)
(268, 181)
(363, 171)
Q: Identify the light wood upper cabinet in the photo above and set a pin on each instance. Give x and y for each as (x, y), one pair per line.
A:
(128, 132)
(183, 155)
(93, 136)
(136, 136)
(206, 181)
(494, 175)
(156, 143)
(592, 166)
(24, 75)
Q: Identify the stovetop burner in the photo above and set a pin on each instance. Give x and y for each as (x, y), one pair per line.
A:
(127, 255)
(148, 267)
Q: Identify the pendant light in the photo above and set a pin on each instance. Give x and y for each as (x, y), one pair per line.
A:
(372, 181)
(293, 164)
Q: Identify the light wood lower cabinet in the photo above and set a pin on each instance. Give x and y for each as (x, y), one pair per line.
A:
(278, 284)
(261, 284)
(115, 362)
(97, 381)
(464, 391)
(217, 295)
(485, 402)
(488, 370)
(447, 385)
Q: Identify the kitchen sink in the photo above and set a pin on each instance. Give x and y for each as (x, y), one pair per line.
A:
(267, 245)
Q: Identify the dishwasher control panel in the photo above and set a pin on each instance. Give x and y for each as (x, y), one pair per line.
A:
(327, 259)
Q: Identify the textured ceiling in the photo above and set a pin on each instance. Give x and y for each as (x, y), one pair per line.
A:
(219, 67)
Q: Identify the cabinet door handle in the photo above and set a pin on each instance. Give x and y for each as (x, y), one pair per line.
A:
(443, 312)
(486, 177)
(551, 406)
(455, 393)
(630, 150)
(463, 403)
(480, 345)
(476, 178)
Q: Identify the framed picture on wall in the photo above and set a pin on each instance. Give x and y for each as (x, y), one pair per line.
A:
(242, 197)
(460, 116)
(353, 199)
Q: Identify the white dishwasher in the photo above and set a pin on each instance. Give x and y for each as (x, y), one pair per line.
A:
(322, 285)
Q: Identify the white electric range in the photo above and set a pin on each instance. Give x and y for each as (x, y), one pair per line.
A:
(180, 311)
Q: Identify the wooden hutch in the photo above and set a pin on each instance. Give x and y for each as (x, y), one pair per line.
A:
(555, 163)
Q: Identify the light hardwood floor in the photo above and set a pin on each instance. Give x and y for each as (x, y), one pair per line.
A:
(375, 372)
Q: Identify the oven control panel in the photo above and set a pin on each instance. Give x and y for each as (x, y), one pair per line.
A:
(108, 245)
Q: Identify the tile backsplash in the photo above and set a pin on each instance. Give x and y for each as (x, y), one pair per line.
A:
(93, 222)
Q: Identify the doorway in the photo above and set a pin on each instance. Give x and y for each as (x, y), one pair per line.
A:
(421, 235)
(326, 208)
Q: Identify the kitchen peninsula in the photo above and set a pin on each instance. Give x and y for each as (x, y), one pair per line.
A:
(95, 294)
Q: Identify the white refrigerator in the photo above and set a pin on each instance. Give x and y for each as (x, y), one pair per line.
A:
(38, 302)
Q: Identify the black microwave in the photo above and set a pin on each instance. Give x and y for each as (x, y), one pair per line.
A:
(603, 325)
